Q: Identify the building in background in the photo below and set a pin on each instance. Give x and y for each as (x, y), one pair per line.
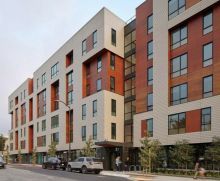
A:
(157, 75)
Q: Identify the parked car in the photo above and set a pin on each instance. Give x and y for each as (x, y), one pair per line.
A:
(86, 164)
(52, 163)
(2, 162)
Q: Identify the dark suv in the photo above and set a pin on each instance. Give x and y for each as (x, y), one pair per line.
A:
(54, 163)
(2, 162)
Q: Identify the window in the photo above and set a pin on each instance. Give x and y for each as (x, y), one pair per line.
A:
(113, 107)
(112, 84)
(150, 50)
(84, 47)
(207, 86)
(54, 71)
(130, 42)
(21, 95)
(113, 131)
(128, 133)
(177, 124)
(176, 7)
(37, 83)
(43, 79)
(99, 64)
(150, 76)
(113, 37)
(179, 66)
(150, 127)
(44, 125)
(179, 37)
(41, 141)
(55, 138)
(70, 98)
(55, 122)
(24, 132)
(94, 108)
(150, 24)
(207, 23)
(83, 133)
(70, 78)
(24, 94)
(21, 132)
(44, 140)
(99, 84)
(83, 111)
(206, 119)
(207, 54)
(94, 131)
(37, 127)
(179, 94)
(94, 38)
(150, 102)
(69, 59)
(112, 61)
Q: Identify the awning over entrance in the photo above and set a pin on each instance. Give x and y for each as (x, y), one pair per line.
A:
(109, 144)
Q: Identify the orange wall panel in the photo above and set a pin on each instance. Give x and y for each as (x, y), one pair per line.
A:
(193, 121)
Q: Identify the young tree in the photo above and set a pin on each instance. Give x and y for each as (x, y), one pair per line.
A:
(2, 143)
(182, 153)
(149, 152)
(213, 152)
(19, 156)
(88, 150)
(34, 156)
(52, 149)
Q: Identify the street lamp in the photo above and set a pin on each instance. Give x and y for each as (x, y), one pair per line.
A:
(69, 127)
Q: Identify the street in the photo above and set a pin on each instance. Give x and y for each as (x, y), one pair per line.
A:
(27, 173)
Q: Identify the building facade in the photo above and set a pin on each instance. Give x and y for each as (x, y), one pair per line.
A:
(156, 76)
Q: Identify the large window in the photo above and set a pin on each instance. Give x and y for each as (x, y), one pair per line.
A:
(150, 102)
(41, 103)
(150, 127)
(113, 131)
(94, 38)
(94, 131)
(130, 109)
(43, 79)
(54, 71)
(179, 66)
(129, 86)
(206, 119)
(129, 65)
(150, 24)
(150, 50)
(179, 37)
(55, 137)
(177, 124)
(112, 61)
(70, 97)
(94, 108)
(70, 88)
(128, 132)
(176, 7)
(55, 122)
(70, 79)
(99, 64)
(84, 112)
(207, 23)
(113, 107)
(43, 125)
(207, 86)
(83, 133)
(99, 84)
(113, 37)
(150, 76)
(179, 94)
(207, 54)
(83, 47)
(130, 43)
(112, 84)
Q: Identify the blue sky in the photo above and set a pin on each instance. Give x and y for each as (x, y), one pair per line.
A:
(32, 30)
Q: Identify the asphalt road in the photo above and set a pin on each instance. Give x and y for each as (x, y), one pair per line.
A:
(29, 173)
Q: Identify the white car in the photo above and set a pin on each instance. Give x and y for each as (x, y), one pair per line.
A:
(86, 164)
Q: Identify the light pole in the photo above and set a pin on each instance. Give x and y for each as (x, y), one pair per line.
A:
(69, 127)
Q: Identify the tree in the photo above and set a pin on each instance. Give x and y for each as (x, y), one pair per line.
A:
(2, 143)
(182, 153)
(52, 149)
(149, 152)
(34, 156)
(213, 152)
(19, 156)
(88, 150)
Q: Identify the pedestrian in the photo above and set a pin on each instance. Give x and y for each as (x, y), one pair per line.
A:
(127, 164)
(197, 168)
(118, 163)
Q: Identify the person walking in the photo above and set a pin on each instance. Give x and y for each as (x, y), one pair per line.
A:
(118, 163)
(197, 168)
(127, 164)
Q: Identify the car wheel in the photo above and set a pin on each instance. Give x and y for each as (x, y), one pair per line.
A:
(44, 166)
(53, 167)
(69, 169)
(84, 169)
(97, 171)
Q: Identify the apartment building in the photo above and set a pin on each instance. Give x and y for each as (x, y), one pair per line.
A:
(157, 75)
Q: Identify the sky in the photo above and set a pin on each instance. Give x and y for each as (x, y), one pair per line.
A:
(32, 30)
